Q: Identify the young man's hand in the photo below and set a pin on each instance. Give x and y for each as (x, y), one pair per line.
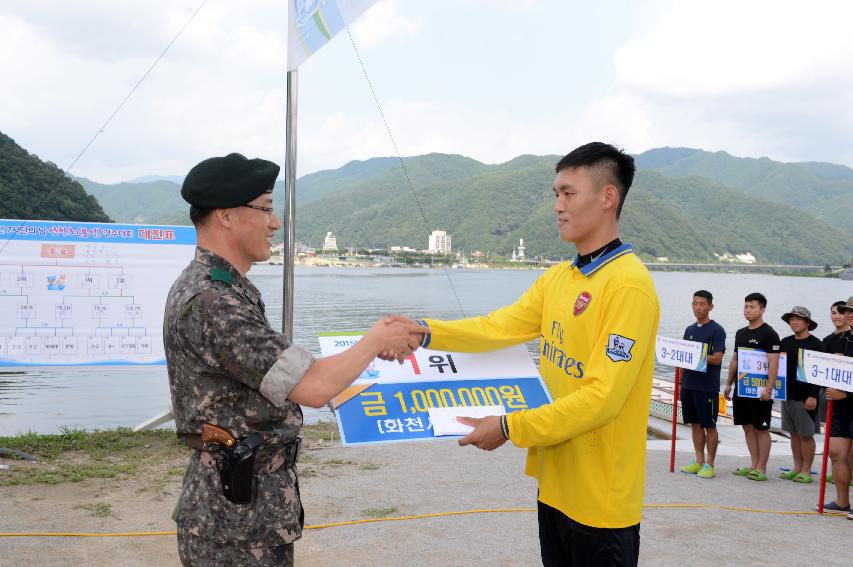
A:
(487, 434)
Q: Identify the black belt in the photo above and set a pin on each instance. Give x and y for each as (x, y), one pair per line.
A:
(290, 450)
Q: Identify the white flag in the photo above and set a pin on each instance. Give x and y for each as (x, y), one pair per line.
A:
(312, 23)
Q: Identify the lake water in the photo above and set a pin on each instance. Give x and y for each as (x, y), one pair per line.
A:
(343, 299)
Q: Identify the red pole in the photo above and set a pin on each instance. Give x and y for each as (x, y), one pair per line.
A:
(825, 455)
(674, 418)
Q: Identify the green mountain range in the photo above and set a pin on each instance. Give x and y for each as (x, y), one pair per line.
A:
(33, 189)
(823, 189)
(679, 218)
(686, 204)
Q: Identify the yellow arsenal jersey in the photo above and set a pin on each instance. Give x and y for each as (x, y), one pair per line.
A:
(596, 327)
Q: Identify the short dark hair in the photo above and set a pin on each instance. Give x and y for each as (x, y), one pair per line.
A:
(705, 295)
(605, 159)
(199, 216)
(755, 296)
(838, 304)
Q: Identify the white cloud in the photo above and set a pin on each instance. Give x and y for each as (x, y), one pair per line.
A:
(383, 22)
(759, 78)
(702, 49)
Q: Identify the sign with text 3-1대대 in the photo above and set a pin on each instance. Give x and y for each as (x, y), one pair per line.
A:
(752, 370)
(824, 369)
(681, 353)
(390, 402)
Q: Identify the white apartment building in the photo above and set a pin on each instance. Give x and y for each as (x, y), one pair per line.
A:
(439, 242)
(331, 242)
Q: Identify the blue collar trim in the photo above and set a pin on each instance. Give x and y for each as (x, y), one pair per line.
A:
(599, 263)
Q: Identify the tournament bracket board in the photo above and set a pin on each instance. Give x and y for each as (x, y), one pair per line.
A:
(83, 294)
(389, 402)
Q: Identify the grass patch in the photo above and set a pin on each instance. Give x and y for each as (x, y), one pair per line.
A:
(75, 454)
(379, 512)
(98, 509)
(320, 431)
(369, 467)
(337, 462)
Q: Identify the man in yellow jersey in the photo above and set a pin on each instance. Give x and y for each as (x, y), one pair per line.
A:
(596, 319)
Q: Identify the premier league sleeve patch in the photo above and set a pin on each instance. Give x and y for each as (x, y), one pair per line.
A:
(619, 348)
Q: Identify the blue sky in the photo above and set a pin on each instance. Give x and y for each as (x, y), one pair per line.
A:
(489, 79)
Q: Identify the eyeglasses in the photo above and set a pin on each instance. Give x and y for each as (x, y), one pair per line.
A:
(267, 210)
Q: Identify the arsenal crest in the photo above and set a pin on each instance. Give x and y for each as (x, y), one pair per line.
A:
(581, 302)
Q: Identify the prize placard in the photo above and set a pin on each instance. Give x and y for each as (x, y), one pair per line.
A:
(752, 372)
(390, 402)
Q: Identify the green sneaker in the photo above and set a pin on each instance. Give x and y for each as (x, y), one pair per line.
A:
(829, 479)
(706, 472)
(692, 468)
(789, 475)
(741, 471)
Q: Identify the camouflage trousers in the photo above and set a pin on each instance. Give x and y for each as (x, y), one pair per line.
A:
(197, 552)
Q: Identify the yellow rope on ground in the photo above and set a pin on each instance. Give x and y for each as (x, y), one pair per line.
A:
(437, 515)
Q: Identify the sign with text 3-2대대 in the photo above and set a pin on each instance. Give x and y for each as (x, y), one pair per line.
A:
(681, 353)
(390, 402)
(824, 369)
(752, 371)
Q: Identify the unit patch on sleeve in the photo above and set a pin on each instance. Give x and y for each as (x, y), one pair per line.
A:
(581, 303)
(619, 348)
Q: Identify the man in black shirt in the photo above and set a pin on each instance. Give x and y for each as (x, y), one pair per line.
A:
(753, 414)
(839, 321)
(841, 434)
(799, 410)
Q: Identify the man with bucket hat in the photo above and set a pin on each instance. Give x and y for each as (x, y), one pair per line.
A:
(799, 410)
(237, 384)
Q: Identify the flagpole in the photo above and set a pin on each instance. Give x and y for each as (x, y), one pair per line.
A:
(289, 209)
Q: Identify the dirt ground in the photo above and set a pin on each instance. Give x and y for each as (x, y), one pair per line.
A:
(420, 478)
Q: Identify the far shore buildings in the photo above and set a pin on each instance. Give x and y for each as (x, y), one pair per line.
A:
(330, 242)
(518, 256)
(439, 242)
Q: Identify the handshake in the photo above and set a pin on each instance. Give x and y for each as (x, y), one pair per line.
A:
(395, 337)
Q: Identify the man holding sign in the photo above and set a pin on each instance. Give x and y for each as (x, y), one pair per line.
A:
(841, 436)
(700, 391)
(596, 320)
(753, 414)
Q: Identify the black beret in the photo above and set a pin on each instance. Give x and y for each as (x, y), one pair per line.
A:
(230, 181)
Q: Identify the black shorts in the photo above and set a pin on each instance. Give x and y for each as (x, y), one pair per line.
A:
(700, 407)
(565, 542)
(752, 411)
(842, 423)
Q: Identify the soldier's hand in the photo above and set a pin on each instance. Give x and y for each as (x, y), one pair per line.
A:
(765, 395)
(728, 392)
(810, 403)
(487, 434)
(399, 337)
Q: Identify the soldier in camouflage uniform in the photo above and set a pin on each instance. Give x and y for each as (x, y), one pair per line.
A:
(229, 368)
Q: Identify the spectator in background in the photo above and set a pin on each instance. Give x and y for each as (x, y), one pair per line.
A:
(799, 410)
(841, 434)
(753, 414)
(700, 391)
(832, 345)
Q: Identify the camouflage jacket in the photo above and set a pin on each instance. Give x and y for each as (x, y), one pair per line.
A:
(228, 367)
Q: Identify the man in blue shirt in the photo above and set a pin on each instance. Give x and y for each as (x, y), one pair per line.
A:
(700, 391)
